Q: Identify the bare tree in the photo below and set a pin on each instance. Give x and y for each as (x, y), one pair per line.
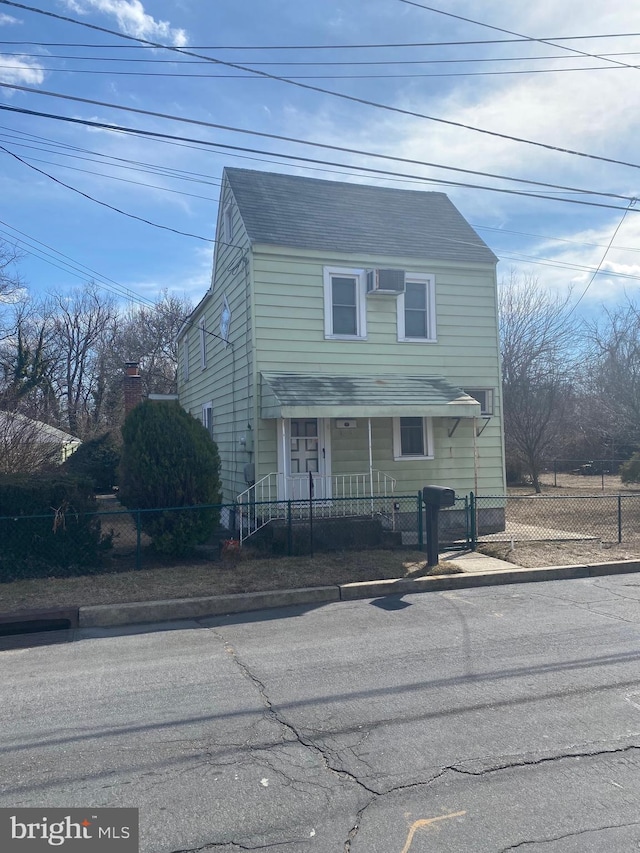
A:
(538, 347)
(614, 377)
(148, 335)
(82, 325)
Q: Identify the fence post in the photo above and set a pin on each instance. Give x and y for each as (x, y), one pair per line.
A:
(619, 518)
(138, 538)
(420, 525)
(555, 473)
(289, 530)
(474, 526)
(467, 525)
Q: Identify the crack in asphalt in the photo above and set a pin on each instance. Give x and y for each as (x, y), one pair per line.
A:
(551, 839)
(533, 762)
(330, 761)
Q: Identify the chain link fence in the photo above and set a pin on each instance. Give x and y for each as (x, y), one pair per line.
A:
(121, 540)
(563, 518)
(117, 539)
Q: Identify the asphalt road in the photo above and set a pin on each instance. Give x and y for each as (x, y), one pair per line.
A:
(497, 719)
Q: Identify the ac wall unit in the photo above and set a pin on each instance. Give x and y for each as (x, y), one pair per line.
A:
(385, 281)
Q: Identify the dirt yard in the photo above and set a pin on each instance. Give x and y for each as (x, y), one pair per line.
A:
(587, 516)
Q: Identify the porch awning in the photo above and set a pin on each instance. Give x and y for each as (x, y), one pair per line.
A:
(300, 395)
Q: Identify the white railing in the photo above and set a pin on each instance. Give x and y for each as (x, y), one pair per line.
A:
(334, 496)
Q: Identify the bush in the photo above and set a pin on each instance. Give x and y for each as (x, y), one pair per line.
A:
(630, 471)
(97, 460)
(169, 461)
(48, 527)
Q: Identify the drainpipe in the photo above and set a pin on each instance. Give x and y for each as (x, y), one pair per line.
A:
(285, 489)
(370, 464)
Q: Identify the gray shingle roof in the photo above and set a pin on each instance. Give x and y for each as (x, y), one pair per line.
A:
(305, 213)
(329, 395)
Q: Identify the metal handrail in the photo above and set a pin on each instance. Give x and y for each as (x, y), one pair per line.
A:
(259, 504)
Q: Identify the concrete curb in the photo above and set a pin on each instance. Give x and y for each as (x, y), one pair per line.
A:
(112, 615)
(109, 615)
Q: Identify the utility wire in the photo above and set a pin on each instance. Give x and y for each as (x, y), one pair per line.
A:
(368, 46)
(305, 86)
(110, 206)
(602, 259)
(300, 159)
(315, 63)
(323, 145)
(547, 42)
(439, 75)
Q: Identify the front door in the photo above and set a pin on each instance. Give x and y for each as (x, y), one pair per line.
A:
(308, 459)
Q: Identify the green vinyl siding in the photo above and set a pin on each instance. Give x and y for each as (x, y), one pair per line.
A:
(276, 297)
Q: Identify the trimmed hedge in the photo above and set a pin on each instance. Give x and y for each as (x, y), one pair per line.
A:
(48, 528)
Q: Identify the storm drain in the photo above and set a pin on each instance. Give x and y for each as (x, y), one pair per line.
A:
(37, 628)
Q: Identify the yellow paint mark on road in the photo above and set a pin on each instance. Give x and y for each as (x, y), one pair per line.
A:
(428, 822)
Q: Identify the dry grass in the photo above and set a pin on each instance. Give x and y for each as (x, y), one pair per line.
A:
(214, 578)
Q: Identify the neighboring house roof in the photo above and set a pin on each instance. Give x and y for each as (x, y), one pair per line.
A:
(40, 431)
(335, 216)
(291, 395)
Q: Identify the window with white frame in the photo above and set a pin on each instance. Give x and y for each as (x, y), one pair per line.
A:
(416, 309)
(203, 343)
(227, 224)
(207, 418)
(344, 303)
(185, 358)
(412, 438)
(484, 396)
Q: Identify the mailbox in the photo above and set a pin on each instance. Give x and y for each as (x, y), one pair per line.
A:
(439, 496)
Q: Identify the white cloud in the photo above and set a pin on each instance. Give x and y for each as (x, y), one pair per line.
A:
(132, 19)
(14, 70)
(7, 19)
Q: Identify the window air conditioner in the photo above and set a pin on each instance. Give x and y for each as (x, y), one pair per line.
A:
(385, 281)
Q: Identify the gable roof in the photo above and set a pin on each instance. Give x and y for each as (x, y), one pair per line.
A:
(306, 213)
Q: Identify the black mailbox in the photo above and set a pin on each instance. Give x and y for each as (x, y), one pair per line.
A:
(439, 496)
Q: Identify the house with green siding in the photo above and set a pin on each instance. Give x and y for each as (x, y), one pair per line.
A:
(348, 344)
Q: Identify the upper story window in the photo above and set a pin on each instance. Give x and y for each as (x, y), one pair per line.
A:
(227, 224)
(207, 418)
(185, 358)
(484, 396)
(412, 438)
(344, 303)
(416, 309)
(203, 344)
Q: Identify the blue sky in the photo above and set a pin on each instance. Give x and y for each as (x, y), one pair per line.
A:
(538, 92)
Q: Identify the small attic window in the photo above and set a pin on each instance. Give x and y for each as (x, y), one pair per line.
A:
(227, 224)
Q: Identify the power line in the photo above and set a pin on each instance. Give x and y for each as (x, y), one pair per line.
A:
(305, 86)
(307, 62)
(362, 169)
(180, 75)
(547, 42)
(367, 46)
(110, 206)
(323, 145)
(602, 259)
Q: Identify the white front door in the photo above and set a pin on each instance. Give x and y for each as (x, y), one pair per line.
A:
(306, 458)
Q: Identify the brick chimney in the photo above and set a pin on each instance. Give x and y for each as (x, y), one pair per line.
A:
(132, 386)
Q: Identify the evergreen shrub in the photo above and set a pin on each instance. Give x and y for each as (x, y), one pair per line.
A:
(170, 469)
(97, 460)
(630, 470)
